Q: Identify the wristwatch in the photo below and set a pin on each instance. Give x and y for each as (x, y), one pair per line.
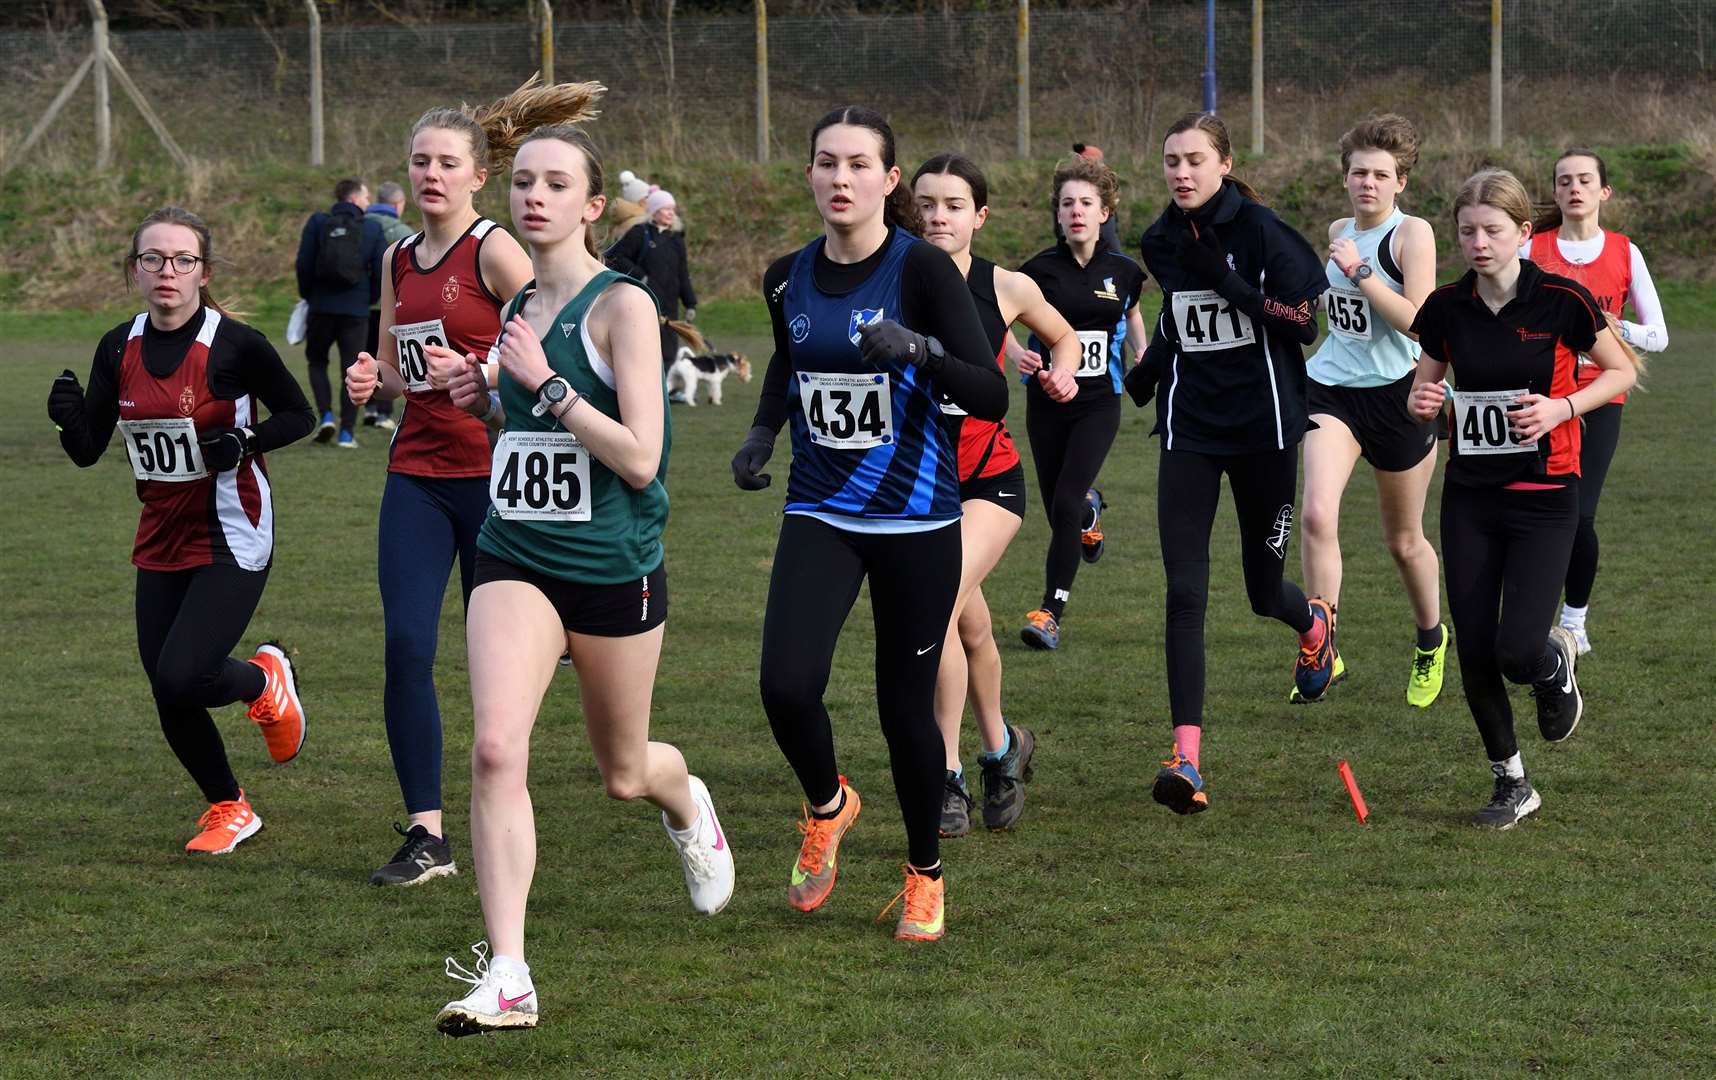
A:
(551, 395)
(934, 354)
(1360, 272)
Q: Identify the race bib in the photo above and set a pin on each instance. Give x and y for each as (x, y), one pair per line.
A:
(1207, 322)
(1349, 314)
(164, 450)
(540, 476)
(1480, 423)
(847, 411)
(1092, 353)
(413, 339)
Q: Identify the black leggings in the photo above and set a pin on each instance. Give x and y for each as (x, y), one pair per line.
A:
(1068, 445)
(914, 578)
(187, 623)
(1504, 555)
(1188, 487)
(1597, 449)
(325, 332)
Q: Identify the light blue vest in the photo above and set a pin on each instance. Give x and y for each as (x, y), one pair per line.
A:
(1362, 348)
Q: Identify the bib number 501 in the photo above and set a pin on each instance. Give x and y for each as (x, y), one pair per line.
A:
(164, 450)
(540, 476)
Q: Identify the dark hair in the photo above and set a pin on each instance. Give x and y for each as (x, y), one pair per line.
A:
(1550, 218)
(175, 215)
(898, 208)
(1092, 172)
(348, 187)
(1210, 124)
(951, 164)
(498, 129)
(579, 139)
(1391, 133)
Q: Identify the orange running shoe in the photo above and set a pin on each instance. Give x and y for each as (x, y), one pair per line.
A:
(278, 711)
(818, 857)
(921, 918)
(225, 826)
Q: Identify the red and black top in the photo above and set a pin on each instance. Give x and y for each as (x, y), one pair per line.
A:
(1609, 277)
(163, 388)
(985, 447)
(1530, 345)
(446, 304)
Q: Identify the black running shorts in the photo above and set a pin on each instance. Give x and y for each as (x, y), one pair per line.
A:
(1389, 436)
(1006, 490)
(631, 607)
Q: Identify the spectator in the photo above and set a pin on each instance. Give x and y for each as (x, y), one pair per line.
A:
(339, 274)
(627, 208)
(1109, 235)
(653, 252)
(387, 211)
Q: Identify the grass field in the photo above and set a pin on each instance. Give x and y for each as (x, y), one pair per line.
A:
(1273, 936)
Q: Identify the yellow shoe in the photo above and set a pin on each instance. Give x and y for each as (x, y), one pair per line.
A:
(225, 826)
(818, 856)
(1427, 669)
(922, 917)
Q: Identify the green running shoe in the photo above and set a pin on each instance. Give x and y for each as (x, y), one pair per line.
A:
(1427, 669)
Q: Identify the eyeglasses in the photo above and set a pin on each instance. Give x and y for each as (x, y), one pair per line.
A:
(152, 261)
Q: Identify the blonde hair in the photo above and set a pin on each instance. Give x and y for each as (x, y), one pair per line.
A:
(498, 129)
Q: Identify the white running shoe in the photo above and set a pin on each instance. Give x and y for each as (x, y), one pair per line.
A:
(496, 1002)
(1579, 638)
(703, 848)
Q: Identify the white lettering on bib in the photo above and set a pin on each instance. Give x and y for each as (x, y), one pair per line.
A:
(540, 476)
(164, 450)
(847, 411)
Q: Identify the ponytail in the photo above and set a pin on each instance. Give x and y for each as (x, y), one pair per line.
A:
(498, 129)
(901, 208)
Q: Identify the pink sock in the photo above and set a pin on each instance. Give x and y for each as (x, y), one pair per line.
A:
(1186, 738)
(1313, 638)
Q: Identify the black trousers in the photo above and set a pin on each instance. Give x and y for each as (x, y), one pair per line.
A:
(1068, 446)
(188, 621)
(324, 333)
(1504, 557)
(1188, 487)
(1596, 451)
(914, 579)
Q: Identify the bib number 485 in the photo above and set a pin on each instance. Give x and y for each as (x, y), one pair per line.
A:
(540, 476)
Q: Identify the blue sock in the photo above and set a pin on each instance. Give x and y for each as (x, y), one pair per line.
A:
(1006, 745)
(958, 771)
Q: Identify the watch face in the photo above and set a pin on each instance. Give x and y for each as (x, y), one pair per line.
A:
(555, 391)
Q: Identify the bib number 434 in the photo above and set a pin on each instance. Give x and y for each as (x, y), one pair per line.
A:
(847, 411)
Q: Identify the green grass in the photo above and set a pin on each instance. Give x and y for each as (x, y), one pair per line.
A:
(1104, 937)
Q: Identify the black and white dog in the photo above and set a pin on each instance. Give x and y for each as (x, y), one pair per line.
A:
(689, 370)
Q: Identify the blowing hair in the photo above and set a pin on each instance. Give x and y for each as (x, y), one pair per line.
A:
(1092, 172)
(176, 215)
(1216, 131)
(579, 139)
(1550, 218)
(498, 129)
(951, 164)
(1391, 133)
(898, 208)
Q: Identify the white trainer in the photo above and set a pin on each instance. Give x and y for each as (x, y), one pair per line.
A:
(704, 850)
(497, 1001)
(1579, 638)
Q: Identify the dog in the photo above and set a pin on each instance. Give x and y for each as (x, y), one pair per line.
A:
(689, 370)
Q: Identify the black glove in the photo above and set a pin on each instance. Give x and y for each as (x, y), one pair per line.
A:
(1203, 256)
(223, 448)
(1142, 380)
(888, 343)
(65, 402)
(758, 446)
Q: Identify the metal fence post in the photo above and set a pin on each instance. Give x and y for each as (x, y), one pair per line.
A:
(546, 32)
(1257, 77)
(316, 129)
(103, 100)
(1023, 47)
(762, 80)
(1495, 72)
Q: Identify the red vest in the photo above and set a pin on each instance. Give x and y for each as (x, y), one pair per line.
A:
(1608, 277)
(985, 446)
(190, 518)
(445, 304)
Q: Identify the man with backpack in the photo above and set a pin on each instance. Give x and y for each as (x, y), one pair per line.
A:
(339, 275)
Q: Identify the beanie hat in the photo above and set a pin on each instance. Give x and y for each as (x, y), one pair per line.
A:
(657, 200)
(631, 188)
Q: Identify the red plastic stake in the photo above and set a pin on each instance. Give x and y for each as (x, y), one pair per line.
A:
(1359, 807)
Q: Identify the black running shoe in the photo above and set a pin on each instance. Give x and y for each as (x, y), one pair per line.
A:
(1559, 703)
(955, 806)
(1514, 800)
(1005, 777)
(420, 858)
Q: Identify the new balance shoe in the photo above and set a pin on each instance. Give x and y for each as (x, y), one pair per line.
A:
(1041, 630)
(498, 1001)
(1314, 669)
(921, 919)
(1513, 800)
(1004, 779)
(225, 825)
(1559, 703)
(325, 430)
(1179, 787)
(704, 851)
(278, 712)
(1428, 665)
(819, 854)
(1090, 536)
(423, 857)
(956, 803)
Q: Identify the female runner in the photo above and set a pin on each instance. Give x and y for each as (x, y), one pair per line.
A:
(1382, 264)
(1095, 288)
(182, 381)
(953, 201)
(871, 324)
(1569, 241)
(572, 546)
(1238, 286)
(1510, 501)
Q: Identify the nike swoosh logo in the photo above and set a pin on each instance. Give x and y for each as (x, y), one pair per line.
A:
(507, 1003)
(1004, 494)
(926, 648)
(799, 877)
(720, 837)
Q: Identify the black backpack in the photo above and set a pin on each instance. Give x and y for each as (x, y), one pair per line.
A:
(339, 251)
